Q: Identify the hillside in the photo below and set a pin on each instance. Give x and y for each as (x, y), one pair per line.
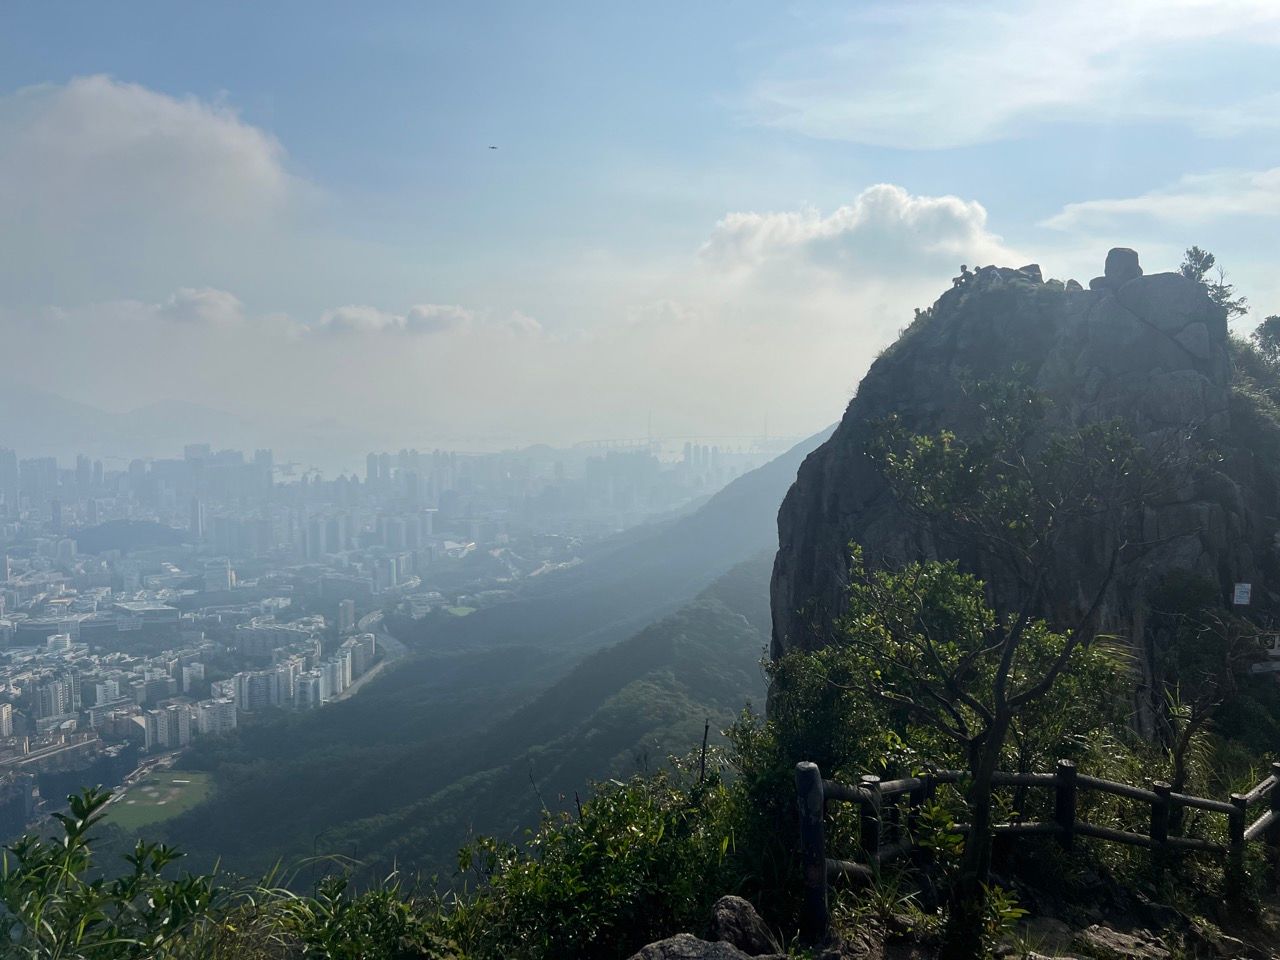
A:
(449, 711)
(632, 579)
(417, 790)
(621, 711)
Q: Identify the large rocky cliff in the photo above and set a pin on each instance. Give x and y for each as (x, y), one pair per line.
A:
(1150, 349)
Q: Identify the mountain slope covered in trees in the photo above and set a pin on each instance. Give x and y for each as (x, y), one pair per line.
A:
(339, 779)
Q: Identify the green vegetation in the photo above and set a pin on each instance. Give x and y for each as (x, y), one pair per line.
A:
(158, 797)
(935, 663)
(410, 794)
(460, 611)
(594, 671)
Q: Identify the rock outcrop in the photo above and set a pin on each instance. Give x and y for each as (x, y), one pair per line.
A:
(737, 933)
(684, 946)
(735, 921)
(1150, 349)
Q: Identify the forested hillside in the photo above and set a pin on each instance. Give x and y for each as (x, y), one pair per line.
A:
(396, 770)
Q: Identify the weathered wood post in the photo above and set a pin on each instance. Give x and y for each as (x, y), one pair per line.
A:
(813, 852)
(1064, 803)
(870, 826)
(1235, 846)
(1159, 831)
(892, 819)
(915, 800)
(1272, 835)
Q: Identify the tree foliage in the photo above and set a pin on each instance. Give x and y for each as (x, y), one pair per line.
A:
(1199, 265)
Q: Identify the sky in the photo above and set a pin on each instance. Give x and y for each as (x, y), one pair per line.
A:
(699, 219)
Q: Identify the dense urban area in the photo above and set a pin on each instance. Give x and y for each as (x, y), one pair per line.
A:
(147, 605)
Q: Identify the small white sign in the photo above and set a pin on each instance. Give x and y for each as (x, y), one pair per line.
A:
(1244, 592)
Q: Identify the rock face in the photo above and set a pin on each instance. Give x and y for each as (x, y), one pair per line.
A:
(684, 946)
(735, 921)
(1150, 349)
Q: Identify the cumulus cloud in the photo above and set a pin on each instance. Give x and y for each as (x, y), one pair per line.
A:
(775, 316)
(97, 146)
(522, 324)
(424, 319)
(1194, 199)
(884, 225)
(108, 188)
(935, 74)
(202, 305)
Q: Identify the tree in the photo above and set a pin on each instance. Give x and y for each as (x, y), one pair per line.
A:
(1203, 652)
(1198, 265)
(51, 907)
(1266, 337)
(968, 660)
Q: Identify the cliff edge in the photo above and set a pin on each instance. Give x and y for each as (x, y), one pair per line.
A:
(1152, 350)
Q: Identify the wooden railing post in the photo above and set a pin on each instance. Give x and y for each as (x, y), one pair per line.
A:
(1272, 836)
(1235, 846)
(813, 852)
(1159, 831)
(1064, 803)
(915, 800)
(870, 827)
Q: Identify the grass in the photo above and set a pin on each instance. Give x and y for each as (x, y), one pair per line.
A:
(460, 611)
(159, 797)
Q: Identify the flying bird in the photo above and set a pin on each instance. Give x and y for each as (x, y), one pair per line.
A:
(491, 147)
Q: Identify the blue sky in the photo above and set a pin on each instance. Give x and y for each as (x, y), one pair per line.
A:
(706, 211)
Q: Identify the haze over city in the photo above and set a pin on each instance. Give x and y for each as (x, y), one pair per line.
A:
(292, 216)
(666, 481)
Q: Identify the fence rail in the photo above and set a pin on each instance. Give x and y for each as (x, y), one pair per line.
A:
(889, 812)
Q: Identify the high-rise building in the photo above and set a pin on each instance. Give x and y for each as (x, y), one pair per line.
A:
(215, 716)
(53, 699)
(218, 576)
(371, 469)
(196, 524)
(346, 615)
(55, 515)
(191, 673)
(9, 478)
(6, 720)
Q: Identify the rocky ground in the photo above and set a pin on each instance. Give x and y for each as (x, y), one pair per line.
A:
(1138, 928)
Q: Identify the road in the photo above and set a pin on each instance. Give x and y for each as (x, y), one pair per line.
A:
(392, 650)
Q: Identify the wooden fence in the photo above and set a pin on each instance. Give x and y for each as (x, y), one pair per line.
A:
(889, 811)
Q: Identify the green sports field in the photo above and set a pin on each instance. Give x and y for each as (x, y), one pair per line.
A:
(158, 797)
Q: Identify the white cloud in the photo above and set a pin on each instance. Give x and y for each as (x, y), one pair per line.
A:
(884, 227)
(522, 324)
(435, 318)
(96, 147)
(777, 315)
(1194, 199)
(355, 318)
(202, 305)
(939, 74)
(425, 319)
(109, 189)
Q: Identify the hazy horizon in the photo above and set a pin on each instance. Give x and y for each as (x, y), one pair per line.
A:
(692, 223)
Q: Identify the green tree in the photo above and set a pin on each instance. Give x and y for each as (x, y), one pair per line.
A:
(1266, 337)
(52, 909)
(1199, 265)
(969, 660)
